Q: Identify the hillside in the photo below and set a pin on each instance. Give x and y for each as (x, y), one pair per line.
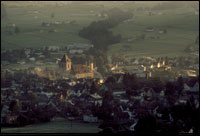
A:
(181, 24)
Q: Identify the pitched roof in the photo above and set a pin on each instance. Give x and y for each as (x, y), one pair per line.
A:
(78, 68)
(65, 58)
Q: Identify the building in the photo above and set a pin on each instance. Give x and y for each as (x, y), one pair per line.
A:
(65, 63)
(78, 70)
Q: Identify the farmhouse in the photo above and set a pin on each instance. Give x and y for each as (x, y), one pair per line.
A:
(149, 29)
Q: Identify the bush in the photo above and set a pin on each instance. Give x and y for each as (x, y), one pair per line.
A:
(22, 120)
(17, 30)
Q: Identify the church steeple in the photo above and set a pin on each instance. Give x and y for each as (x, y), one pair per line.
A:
(65, 63)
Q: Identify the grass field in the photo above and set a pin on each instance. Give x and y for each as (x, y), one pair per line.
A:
(182, 26)
(182, 30)
(58, 125)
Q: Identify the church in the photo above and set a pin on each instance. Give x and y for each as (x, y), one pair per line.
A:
(78, 70)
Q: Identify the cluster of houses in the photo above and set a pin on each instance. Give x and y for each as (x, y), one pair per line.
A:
(77, 48)
(44, 24)
(38, 55)
(149, 66)
(57, 94)
(74, 97)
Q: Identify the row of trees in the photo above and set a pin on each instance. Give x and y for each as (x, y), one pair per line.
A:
(13, 56)
(98, 32)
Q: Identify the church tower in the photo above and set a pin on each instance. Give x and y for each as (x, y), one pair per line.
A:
(91, 66)
(65, 63)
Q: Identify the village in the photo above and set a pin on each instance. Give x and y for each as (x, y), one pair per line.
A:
(169, 67)
(121, 98)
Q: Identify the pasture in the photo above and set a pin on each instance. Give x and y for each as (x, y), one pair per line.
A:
(182, 28)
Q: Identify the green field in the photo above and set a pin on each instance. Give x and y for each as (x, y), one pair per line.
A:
(182, 28)
(58, 125)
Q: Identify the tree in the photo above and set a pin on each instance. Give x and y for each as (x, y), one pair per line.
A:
(22, 120)
(52, 15)
(130, 81)
(107, 106)
(15, 106)
(158, 85)
(180, 84)
(98, 31)
(93, 88)
(146, 125)
(170, 88)
(17, 30)
(46, 52)
(131, 92)
(110, 80)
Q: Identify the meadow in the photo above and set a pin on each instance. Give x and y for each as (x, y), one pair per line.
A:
(182, 28)
(57, 125)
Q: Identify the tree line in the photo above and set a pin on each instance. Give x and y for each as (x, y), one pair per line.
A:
(98, 31)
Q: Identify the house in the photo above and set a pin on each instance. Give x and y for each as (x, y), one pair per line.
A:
(42, 99)
(73, 51)
(5, 62)
(149, 29)
(162, 93)
(83, 97)
(48, 94)
(195, 88)
(121, 117)
(186, 87)
(147, 91)
(96, 98)
(124, 100)
(32, 59)
(79, 46)
(132, 127)
(162, 31)
(4, 112)
(52, 48)
(88, 117)
(21, 62)
(119, 92)
(10, 25)
(136, 62)
(156, 112)
(103, 87)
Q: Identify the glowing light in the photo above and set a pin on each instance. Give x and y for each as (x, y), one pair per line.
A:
(158, 65)
(163, 63)
(101, 81)
(61, 97)
(145, 68)
(150, 74)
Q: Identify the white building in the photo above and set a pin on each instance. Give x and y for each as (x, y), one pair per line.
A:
(90, 118)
